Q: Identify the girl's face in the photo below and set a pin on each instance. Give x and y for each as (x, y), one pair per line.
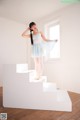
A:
(34, 28)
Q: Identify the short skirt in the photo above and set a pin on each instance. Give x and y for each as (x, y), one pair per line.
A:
(37, 50)
(42, 49)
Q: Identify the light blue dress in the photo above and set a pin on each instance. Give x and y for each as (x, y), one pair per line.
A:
(37, 47)
(41, 48)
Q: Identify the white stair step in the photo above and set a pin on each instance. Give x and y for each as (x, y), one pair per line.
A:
(32, 77)
(21, 68)
(42, 79)
(49, 87)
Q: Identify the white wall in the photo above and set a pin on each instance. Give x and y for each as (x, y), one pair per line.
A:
(13, 48)
(66, 70)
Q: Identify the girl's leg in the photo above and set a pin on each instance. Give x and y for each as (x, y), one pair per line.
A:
(41, 66)
(38, 66)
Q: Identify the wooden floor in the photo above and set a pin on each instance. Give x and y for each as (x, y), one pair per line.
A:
(25, 114)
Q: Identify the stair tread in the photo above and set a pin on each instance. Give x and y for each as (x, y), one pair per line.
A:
(42, 79)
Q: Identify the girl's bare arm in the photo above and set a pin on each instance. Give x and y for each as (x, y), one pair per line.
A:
(43, 37)
(47, 40)
(25, 33)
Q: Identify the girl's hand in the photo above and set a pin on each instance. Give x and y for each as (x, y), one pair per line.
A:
(52, 40)
(28, 28)
(56, 40)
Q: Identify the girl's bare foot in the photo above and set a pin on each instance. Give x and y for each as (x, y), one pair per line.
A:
(37, 77)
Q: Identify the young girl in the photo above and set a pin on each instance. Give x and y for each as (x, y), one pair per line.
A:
(36, 37)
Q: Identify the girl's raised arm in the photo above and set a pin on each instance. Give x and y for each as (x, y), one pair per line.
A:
(25, 33)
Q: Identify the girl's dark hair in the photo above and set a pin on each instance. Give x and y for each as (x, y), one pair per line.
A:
(31, 36)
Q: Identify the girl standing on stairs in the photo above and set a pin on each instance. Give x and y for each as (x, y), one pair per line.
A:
(37, 38)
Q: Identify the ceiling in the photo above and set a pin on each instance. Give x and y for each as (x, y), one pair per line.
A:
(28, 10)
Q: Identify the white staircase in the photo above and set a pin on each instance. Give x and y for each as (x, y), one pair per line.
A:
(21, 90)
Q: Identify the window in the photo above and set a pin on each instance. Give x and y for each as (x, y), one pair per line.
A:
(52, 31)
